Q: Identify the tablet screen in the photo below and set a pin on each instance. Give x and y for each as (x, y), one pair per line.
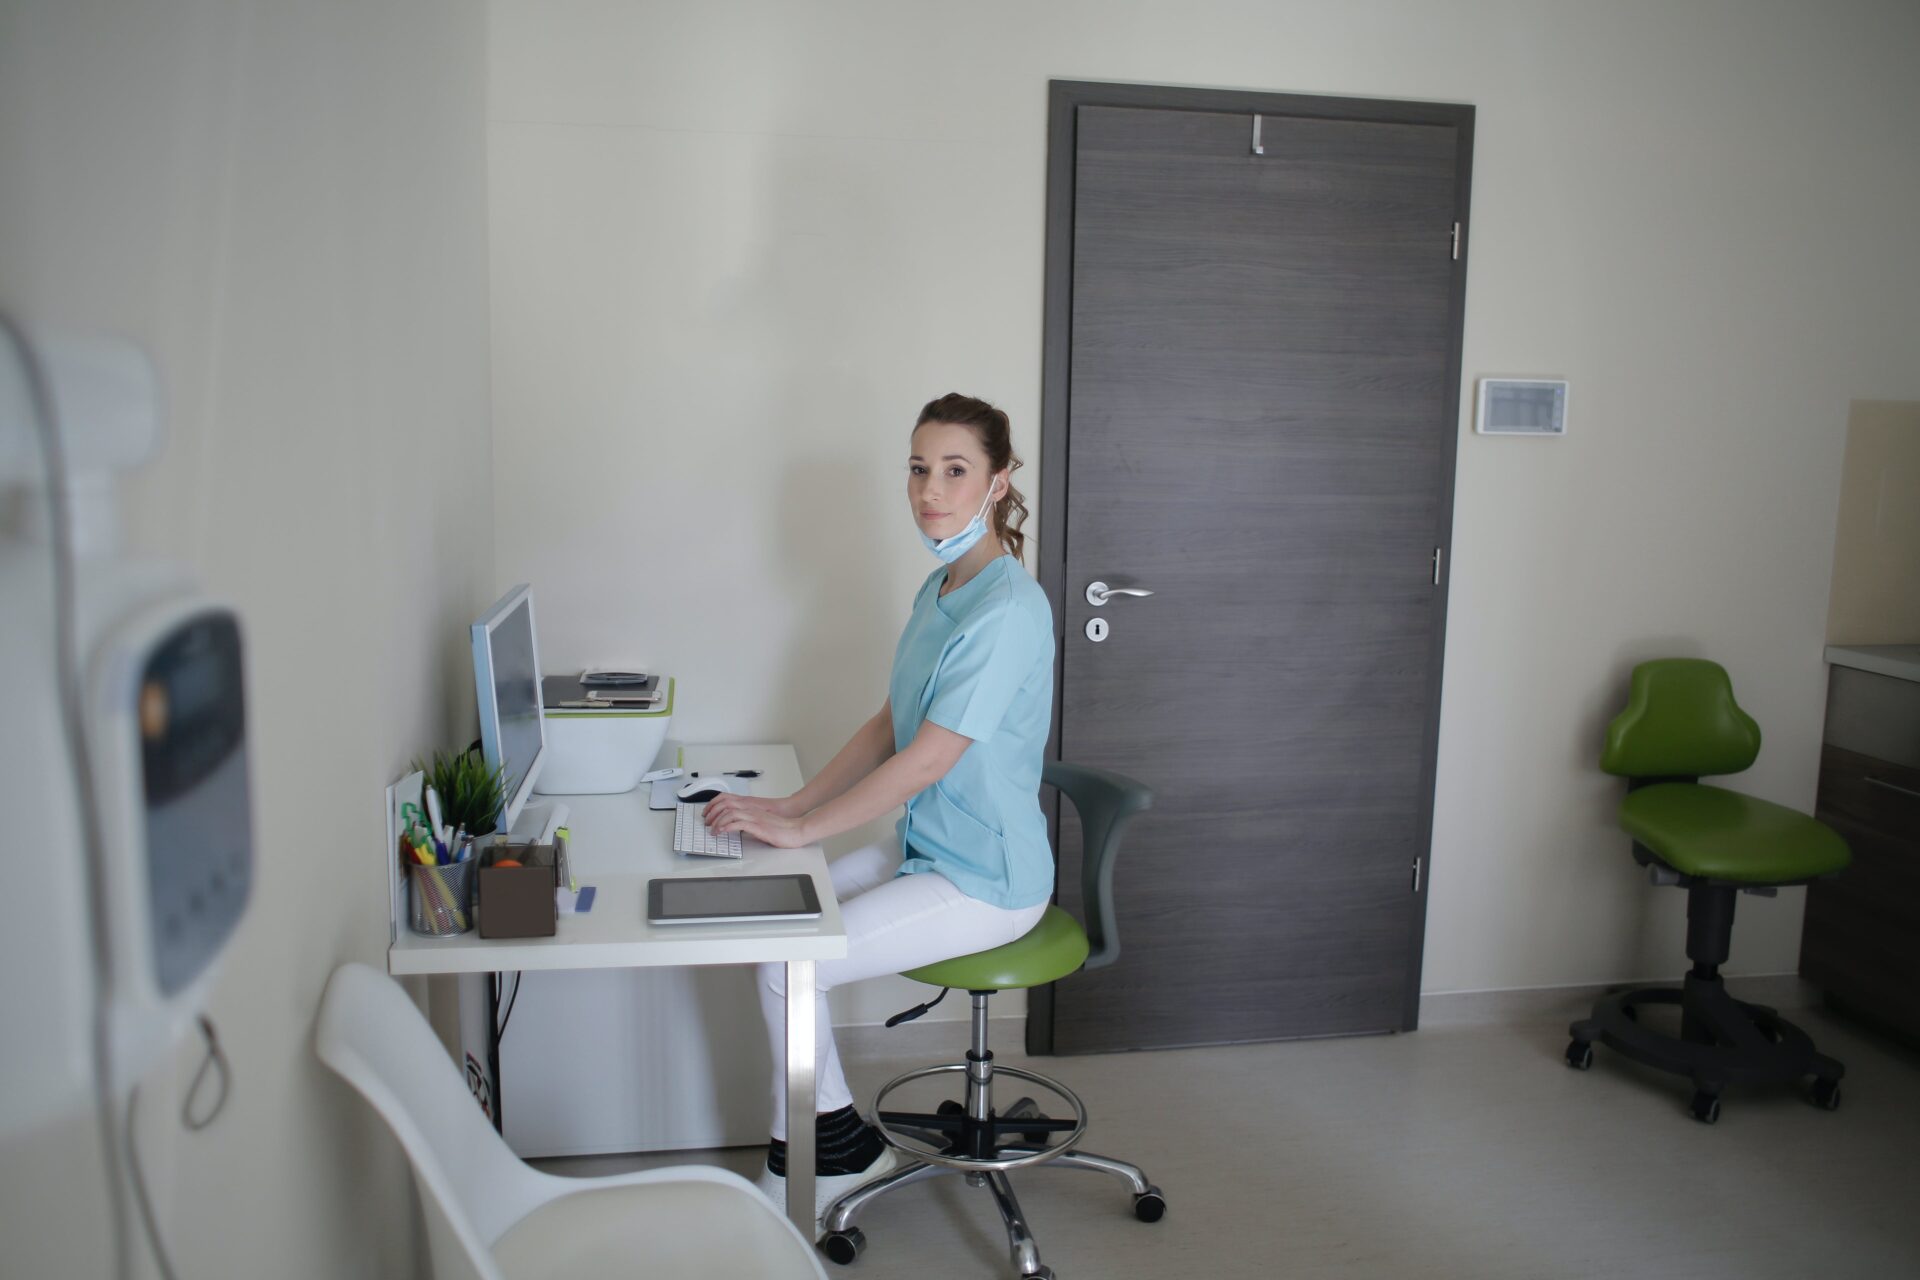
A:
(730, 897)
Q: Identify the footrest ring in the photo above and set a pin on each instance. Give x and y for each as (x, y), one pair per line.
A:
(921, 1151)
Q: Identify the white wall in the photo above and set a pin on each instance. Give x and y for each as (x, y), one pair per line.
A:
(285, 204)
(735, 246)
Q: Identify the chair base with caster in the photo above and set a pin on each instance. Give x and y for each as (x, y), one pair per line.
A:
(1722, 1040)
(975, 1140)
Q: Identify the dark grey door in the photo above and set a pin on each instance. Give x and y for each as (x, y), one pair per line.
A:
(1260, 410)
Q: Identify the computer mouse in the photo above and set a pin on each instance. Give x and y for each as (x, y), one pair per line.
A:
(701, 790)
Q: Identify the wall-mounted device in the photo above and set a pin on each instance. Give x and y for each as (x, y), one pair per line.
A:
(131, 858)
(167, 730)
(1522, 407)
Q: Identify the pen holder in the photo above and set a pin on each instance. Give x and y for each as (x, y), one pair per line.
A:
(442, 898)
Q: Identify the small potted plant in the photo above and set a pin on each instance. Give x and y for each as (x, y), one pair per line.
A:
(471, 795)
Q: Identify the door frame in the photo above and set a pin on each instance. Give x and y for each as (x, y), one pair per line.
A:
(1064, 97)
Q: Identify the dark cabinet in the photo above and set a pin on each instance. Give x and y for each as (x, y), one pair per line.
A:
(1861, 940)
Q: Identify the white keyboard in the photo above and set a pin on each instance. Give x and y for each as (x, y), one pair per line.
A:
(690, 834)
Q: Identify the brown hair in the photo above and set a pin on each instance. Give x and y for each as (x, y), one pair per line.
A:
(994, 431)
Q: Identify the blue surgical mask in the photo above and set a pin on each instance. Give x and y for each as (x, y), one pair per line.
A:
(951, 549)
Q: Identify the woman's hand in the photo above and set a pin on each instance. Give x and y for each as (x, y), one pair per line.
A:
(770, 821)
(780, 806)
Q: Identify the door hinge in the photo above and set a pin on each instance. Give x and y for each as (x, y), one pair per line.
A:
(1416, 875)
(1456, 242)
(1436, 565)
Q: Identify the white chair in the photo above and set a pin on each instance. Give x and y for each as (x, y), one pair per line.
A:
(490, 1216)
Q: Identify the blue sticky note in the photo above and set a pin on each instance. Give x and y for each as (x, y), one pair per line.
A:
(584, 902)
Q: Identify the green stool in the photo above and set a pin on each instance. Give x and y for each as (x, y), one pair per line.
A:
(1681, 722)
(971, 1137)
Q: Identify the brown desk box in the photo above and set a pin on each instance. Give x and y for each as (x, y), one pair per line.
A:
(517, 902)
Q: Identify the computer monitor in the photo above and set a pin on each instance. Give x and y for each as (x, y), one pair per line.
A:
(506, 684)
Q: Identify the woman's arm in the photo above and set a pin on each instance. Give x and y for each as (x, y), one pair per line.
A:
(869, 747)
(933, 751)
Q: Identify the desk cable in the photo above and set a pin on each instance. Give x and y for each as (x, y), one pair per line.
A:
(507, 1016)
(39, 386)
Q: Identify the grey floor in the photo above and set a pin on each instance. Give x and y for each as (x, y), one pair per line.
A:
(1467, 1151)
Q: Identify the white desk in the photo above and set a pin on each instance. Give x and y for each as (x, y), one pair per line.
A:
(617, 845)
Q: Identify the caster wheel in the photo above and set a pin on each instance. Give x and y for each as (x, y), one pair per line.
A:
(1580, 1055)
(950, 1108)
(1044, 1273)
(1825, 1094)
(1706, 1107)
(1150, 1205)
(842, 1247)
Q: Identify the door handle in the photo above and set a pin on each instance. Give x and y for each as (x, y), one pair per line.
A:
(1098, 593)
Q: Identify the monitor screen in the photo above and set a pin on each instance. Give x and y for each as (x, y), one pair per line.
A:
(506, 673)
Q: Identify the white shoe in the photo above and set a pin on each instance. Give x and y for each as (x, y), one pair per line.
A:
(827, 1190)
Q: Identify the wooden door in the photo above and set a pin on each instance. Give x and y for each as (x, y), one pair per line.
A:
(1260, 406)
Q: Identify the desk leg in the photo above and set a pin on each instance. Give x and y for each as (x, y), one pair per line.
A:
(800, 1095)
(493, 1046)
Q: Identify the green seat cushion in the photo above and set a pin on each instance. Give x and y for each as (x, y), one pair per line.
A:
(1700, 830)
(1046, 953)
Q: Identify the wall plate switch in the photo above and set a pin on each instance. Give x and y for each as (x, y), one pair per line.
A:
(1522, 407)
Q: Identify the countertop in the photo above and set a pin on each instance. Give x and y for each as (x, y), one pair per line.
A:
(1901, 661)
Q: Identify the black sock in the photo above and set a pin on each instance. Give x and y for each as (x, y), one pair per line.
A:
(843, 1143)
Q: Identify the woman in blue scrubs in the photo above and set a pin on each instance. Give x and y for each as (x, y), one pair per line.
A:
(958, 742)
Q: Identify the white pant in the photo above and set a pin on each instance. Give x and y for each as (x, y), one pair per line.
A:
(893, 923)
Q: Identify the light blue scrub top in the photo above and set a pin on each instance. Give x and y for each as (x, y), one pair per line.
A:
(980, 662)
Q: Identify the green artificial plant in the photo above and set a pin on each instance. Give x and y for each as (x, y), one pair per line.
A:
(471, 795)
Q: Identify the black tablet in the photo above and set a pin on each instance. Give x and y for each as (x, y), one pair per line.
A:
(726, 899)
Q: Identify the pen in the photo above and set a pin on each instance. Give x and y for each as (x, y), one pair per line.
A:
(433, 812)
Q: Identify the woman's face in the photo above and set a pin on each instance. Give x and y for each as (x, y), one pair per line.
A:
(947, 478)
